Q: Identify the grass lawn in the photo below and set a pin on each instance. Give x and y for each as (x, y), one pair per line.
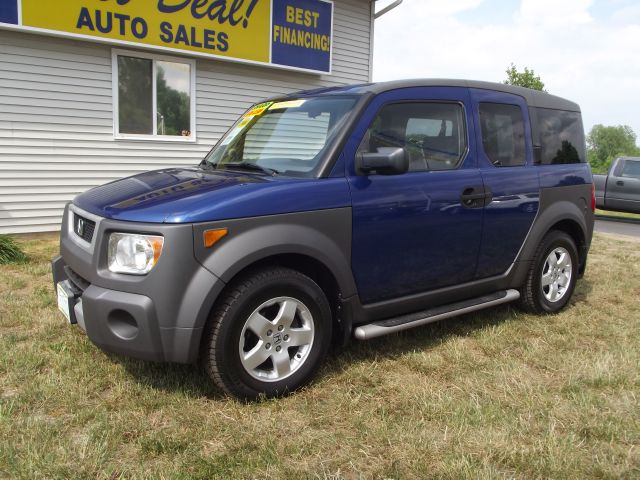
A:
(493, 394)
(607, 213)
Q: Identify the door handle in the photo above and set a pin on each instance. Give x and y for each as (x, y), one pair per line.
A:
(474, 197)
(620, 183)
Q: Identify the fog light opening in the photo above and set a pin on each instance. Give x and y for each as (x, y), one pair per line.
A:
(122, 324)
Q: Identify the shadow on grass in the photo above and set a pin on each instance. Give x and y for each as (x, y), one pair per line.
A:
(188, 380)
(431, 335)
(191, 380)
(583, 290)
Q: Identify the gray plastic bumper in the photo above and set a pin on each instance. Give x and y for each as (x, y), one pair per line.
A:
(127, 323)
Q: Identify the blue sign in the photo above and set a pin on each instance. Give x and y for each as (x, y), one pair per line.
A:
(301, 34)
(9, 11)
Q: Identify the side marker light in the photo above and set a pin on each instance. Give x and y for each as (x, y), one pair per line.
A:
(211, 237)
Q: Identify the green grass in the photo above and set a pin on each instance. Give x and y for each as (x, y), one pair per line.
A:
(497, 394)
(10, 251)
(607, 213)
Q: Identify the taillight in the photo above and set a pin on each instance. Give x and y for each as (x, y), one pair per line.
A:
(593, 197)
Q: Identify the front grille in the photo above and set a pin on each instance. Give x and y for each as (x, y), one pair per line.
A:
(76, 280)
(83, 227)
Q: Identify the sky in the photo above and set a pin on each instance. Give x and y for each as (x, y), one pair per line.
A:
(585, 50)
(177, 75)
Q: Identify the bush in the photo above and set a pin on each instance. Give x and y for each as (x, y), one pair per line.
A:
(10, 251)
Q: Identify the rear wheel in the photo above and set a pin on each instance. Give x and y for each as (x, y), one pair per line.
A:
(268, 334)
(552, 276)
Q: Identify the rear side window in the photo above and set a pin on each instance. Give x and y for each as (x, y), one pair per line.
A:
(561, 137)
(502, 128)
(432, 134)
(631, 169)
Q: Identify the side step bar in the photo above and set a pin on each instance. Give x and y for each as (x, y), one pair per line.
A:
(392, 325)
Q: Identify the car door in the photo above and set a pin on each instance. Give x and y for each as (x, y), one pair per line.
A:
(505, 161)
(412, 232)
(623, 186)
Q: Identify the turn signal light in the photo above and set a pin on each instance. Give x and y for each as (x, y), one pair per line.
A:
(211, 237)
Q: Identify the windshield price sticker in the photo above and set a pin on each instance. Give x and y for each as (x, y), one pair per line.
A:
(258, 110)
(287, 104)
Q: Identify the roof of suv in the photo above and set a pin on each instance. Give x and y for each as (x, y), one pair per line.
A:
(534, 98)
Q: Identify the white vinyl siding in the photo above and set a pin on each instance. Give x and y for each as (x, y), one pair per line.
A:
(56, 114)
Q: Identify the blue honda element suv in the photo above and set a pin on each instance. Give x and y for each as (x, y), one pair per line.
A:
(330, 214)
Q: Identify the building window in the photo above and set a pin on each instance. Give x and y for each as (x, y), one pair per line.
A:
(502, 129)
(153, 97)
(431, 134)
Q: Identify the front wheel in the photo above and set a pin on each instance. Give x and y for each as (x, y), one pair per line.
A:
(268, 334)
(552, 275)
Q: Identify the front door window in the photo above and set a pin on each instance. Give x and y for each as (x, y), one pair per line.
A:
(431, 133)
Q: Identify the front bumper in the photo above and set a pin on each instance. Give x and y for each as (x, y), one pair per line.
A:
(158, 317)
(117, 322)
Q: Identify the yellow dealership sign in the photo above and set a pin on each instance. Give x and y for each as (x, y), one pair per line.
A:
(235, 29)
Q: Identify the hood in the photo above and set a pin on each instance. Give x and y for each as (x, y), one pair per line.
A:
(182, 195)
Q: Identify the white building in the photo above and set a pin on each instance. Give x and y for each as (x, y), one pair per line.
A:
(91, 91)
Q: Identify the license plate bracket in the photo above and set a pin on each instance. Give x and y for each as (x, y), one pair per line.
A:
(66, 301)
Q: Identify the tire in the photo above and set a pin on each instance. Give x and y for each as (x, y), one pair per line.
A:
(551, 279)
(268, 334)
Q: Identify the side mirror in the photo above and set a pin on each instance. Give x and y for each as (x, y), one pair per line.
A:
(386, 161)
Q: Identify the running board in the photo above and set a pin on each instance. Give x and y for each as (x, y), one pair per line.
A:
(392, 325)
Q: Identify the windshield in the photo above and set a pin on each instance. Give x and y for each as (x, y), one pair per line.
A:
(287, 137)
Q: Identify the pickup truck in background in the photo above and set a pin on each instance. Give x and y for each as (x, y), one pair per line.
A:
(619, 190)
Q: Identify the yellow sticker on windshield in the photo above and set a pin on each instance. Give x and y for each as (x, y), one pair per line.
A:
(244, 122)
(258, 110)
(287, 104)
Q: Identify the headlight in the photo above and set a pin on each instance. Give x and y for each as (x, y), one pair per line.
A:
(133, 254)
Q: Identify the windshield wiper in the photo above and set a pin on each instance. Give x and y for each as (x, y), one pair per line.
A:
(251, 166)
(204, 165)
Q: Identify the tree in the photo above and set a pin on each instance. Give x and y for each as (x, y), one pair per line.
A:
(527, 79)
(607, 143)
(135, 95)
(174, 107)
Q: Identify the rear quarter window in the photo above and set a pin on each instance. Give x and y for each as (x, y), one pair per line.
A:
(561, 137)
